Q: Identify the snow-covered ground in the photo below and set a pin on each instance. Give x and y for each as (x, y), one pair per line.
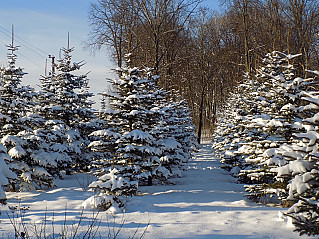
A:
(206, 203)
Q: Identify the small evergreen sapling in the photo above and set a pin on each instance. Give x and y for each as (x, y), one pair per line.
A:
(111, 191)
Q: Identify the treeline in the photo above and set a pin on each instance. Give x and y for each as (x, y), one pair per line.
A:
(267, 137)
(200, 53)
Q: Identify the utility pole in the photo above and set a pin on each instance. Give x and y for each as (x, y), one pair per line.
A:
(46, 68)
(12, 38)
(52, 63)
(11, 48)
(68, 40)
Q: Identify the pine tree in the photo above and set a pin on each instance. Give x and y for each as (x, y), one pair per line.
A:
(302, 169)
(263, 127)
(138, 151)
(141, 114)
(18, 125)
(64, 99)
(111, 191)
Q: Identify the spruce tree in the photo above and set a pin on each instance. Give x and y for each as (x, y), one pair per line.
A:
(18, 128)
(138, 151)
(281, 90)
(156, 137)
(64, 99)
(264, 128)
(302, 168)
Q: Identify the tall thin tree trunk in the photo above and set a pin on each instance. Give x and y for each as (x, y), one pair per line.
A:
(245, 22)
(201, 110)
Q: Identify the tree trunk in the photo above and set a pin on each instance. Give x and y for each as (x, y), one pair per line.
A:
(201, 109)
(246, 39)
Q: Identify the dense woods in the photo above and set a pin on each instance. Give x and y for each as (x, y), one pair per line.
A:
(200, 53)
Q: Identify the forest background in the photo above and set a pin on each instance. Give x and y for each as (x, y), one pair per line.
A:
(200, 52)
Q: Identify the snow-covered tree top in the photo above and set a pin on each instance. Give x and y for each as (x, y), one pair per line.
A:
(138, 135)
(106, 133)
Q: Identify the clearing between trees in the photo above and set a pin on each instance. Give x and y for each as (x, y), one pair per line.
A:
(205, 203)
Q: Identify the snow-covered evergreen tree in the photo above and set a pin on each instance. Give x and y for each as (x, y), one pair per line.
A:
(238, 129)
(66, 95)
(111, 191)
(263, 128)
(185, 129)
(18, 125)
(302, 169)
(225, 141)
(59, 144)
(146, 137)
(104, 142)
(177, 132)
(64, 98)
(281, 90)
(138, 151)
(141, 114)
(172, 153)
(12, 106)
(140, 154)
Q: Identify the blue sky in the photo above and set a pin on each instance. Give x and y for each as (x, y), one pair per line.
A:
(41, 28)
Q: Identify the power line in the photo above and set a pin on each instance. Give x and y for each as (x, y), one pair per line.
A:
(8, 34)
(31, 60)
(25, 57)
(38, 49)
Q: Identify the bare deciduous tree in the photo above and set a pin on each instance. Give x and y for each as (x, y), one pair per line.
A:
(200, 54)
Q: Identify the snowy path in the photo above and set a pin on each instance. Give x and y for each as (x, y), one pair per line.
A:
(206, 203)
